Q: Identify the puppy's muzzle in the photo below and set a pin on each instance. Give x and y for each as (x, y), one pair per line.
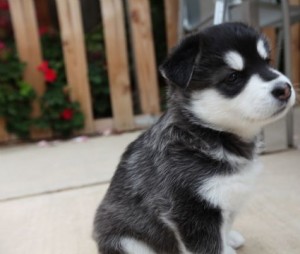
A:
(282, 91)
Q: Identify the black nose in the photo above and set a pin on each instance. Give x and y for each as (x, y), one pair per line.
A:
(282, 91)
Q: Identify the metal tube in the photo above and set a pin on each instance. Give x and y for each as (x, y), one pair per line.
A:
(220, 10)
(288, 65)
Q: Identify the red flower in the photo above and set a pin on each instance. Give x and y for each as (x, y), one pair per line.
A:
(50, 75)
(4, 5)
(43, 30)
(67, 114)
(43, 67)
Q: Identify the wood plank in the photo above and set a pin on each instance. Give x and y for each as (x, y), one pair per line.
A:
(83, 92)
(140, 122)
(19, 27)
(35, 78)
(172, 20)
(28, 44)
(4, 136)
(69, 14)
(25, 27)
(117, 62)
(66, 38)
(144, 56)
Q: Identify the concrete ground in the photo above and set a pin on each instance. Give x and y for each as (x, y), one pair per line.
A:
(48, 197)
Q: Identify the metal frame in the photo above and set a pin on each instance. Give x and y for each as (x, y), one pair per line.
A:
(250, 14)
(288, 66)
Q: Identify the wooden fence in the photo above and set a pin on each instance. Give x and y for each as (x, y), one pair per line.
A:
(23, 14)
(24, 21)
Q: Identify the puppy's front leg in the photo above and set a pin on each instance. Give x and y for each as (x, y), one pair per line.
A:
(198, 232)
(233, 238)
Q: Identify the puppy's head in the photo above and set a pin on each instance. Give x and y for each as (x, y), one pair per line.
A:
(226, 81)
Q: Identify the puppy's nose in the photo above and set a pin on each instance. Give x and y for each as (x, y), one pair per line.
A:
(282, 91)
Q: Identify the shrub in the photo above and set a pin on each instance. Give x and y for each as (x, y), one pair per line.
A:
(16, 96)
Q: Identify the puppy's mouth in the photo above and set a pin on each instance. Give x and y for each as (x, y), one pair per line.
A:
(281, 109)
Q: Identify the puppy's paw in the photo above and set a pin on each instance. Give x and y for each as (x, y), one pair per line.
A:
(229, 250)
(235, 239)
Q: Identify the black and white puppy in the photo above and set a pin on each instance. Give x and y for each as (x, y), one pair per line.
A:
(180, 185)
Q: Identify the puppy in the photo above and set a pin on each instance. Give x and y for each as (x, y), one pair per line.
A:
(180, 185)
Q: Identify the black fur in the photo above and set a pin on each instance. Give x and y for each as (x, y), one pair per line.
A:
(159, 173)
(203, 65)
(172, 151)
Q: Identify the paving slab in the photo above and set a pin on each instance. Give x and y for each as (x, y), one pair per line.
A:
(61, 223)
(30, 169)
(58, 223)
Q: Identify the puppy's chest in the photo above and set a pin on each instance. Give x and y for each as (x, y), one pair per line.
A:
(229, 192)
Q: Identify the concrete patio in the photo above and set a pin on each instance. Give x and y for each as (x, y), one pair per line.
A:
(48, 198)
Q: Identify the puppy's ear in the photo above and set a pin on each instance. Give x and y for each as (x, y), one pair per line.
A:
(179, 65)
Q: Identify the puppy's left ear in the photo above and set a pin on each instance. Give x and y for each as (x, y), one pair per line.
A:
(179, 66)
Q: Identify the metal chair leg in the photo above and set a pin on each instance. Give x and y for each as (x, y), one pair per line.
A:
(220, 11)
(288, 66)
(279, 49)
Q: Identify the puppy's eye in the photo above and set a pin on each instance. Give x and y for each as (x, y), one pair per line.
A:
(232, 77)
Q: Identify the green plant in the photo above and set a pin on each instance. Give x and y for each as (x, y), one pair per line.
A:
(16, 96)
(59, 113)
(98, 73)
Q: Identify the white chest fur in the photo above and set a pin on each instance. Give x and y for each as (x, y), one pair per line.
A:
(229, 192)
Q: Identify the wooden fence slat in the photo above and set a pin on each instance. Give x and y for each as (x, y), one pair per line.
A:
(83, 86)
(140, 122)
(25, 27)
(35, 58)
(28, 43)
(117, 61)
(66, 38)
(144, 55)
(4, 136)
(19, 27)
(172, 20)
(69, 14)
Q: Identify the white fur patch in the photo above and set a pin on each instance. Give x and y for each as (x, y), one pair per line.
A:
(234, 60)
(132, 246)
(235, 239)
(261, 49)
(173, 227)
(230, 191)
(221, 154)
(244, 114)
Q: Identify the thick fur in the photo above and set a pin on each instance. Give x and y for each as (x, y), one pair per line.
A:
(179, 186)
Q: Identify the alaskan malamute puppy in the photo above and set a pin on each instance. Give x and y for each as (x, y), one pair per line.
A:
(180, 185)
